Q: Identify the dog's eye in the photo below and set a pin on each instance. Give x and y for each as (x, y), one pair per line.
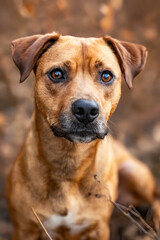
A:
(107, 77)
(56, 75)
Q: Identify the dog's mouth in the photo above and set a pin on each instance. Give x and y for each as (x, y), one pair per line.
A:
(78, 132)
(79, 135)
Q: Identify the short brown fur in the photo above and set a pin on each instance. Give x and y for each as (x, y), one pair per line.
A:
(54, 175)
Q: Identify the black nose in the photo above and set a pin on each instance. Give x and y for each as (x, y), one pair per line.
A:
(85, 110)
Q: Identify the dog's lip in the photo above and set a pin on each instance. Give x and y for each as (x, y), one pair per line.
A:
(61, 132)
(88, 134)
(85, 132)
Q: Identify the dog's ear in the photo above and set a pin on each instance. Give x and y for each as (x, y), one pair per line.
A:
(132, 57)
(25, 51)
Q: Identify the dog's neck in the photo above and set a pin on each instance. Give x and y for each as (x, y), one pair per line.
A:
(68, 160)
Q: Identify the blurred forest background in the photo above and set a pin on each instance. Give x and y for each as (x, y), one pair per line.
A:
(137, 120)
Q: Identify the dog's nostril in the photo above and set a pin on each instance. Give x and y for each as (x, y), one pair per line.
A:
(79, 111)
(94, 112)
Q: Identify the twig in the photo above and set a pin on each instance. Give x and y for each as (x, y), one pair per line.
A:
(43, 227)
(129, 212)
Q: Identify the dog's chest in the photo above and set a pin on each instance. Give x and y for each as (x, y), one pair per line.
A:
(75, 221)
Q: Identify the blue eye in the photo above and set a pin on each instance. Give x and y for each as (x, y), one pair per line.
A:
(107, 77)
(56, 75)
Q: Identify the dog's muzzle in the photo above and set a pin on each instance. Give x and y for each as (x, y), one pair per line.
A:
(83, 125)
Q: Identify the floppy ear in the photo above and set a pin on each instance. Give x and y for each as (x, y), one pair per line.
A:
(132, 57)
(25, 51)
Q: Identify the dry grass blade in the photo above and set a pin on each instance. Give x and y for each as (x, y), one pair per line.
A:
(43, 227)
(143, 226)
(130, 212)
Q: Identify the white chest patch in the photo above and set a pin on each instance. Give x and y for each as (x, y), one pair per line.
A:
(75, 221)
(68, 221)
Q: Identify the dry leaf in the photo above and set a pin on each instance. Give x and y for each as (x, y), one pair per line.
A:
(150, 33)
(107, 23)
(2, 119)
(62, 4)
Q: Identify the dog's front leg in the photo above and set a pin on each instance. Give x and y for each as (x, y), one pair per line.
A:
(137, 185)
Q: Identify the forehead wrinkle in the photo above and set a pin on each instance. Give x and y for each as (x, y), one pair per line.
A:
(67, 65)
(84, 53)
(98, 64)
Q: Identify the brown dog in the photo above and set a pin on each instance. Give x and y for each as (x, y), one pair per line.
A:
(77, 88)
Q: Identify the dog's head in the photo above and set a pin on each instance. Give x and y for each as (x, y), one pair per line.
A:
(78, 80)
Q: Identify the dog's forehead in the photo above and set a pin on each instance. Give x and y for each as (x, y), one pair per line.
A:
(75, 48)
(87, 46)
(80, 52)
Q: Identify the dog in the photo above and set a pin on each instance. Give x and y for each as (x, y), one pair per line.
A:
(77, 89)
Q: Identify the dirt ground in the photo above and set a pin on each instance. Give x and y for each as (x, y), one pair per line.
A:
(137, 120)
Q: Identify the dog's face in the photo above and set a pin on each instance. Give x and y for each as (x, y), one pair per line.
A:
(78, 81)
(78, 85)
